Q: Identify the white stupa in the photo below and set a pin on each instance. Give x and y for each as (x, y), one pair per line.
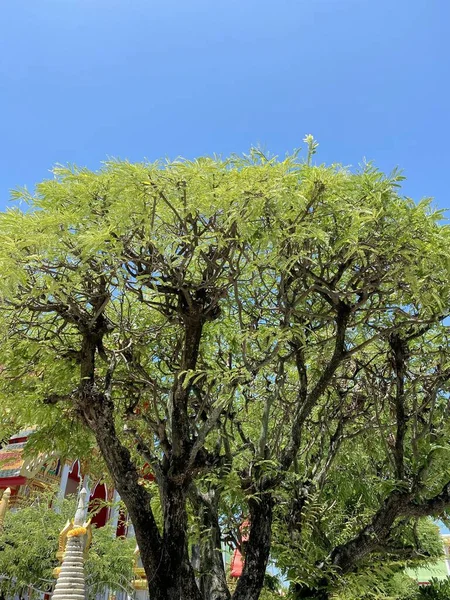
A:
(71, 584)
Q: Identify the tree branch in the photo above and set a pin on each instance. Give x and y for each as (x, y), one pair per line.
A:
(305, 406)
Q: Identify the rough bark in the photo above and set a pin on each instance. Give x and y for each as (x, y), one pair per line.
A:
(175, 543)
(189, 590)
(258, 548)
(209, 560)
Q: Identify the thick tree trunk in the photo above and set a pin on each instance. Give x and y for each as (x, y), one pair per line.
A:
(98, 415)
(209, 563)
(168, 571)
(190, 590)
(183, 585)
(258, 548)
(164, 557)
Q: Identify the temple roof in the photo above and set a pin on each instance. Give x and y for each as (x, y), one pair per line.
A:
(25, 433)
(11, 460)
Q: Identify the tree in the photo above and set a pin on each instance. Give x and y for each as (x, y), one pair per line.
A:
(269, 336)
(29, 541)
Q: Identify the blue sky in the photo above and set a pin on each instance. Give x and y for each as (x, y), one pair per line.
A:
(82, 80)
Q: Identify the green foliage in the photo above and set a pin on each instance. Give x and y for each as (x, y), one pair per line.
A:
(438, 590)
(29, 541)
(110, 562)
(273, 588)
(305, 279)
(28, 544)
(376, 582)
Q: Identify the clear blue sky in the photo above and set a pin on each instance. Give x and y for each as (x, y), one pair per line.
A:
(82, 80)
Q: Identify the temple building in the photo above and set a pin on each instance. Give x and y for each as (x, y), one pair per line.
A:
(25, 476)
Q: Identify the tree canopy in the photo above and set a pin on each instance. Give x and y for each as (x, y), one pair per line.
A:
(268, 335)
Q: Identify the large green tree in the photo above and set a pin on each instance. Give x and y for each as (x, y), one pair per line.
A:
(268, 335)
